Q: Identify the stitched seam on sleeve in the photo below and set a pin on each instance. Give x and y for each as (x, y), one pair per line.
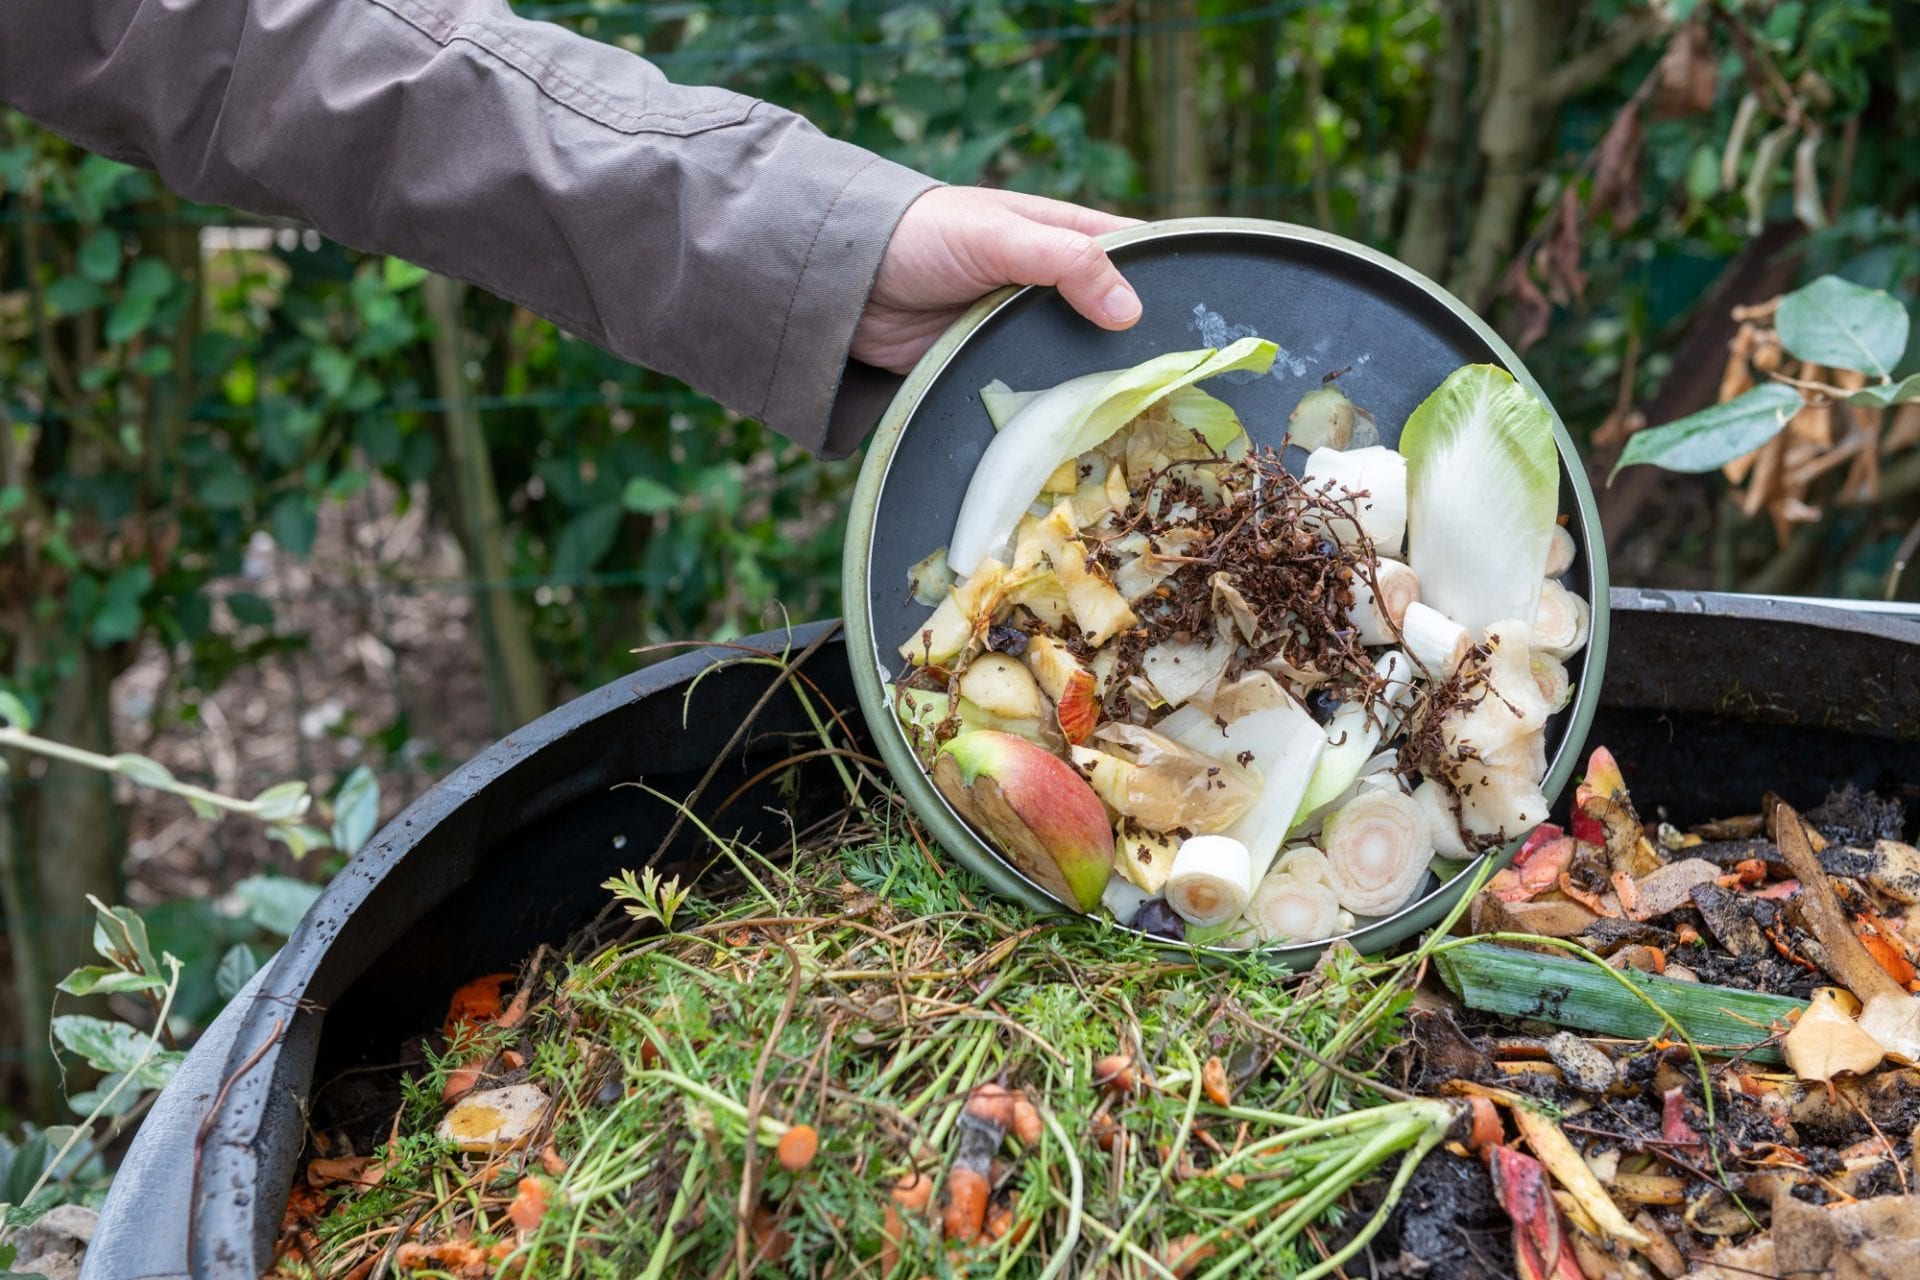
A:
(552, 81)
(793, 299)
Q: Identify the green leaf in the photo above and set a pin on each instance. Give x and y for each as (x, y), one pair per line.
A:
(1842, 325)
(105, 1044)
(282, 802)
(356, 809)
(72, 296)
(96, 979)
(143, 771)
(120, 935)
(400, 275)
(129, 318)
(150, 279)
(237, 968)
(296, 521)
(118, 615)
(276, 903)
(14, 712)
(648, 497)
(1880, 395)
(249, 609)
(333, 370)
(1714, 437)
(585, 541)
(300, 840)
(99, 257)
(1483, 487)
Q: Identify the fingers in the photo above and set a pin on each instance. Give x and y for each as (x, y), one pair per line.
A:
(1060, 213)
(1030, 252)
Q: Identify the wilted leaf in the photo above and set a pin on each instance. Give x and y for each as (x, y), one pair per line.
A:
(276, 903)
(1688, 74)
(1616, 170)
(1529, 303)
(1843, 325)
(1715, 436)
(1759, 187)
(1826, 1042)
(1558, 259)
(120, 935)
(1808, 206)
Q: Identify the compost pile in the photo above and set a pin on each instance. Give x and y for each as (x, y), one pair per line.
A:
(1591, 1071)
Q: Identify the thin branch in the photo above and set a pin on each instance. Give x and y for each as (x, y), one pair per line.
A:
(1586, 70)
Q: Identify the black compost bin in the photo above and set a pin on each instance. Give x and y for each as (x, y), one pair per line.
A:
(1709, 701)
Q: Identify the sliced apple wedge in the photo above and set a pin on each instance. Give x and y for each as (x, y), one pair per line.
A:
(1033, 805)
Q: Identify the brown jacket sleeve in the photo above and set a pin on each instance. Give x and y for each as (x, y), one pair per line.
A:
(699, 232)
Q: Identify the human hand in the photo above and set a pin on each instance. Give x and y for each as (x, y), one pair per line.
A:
(956, 244)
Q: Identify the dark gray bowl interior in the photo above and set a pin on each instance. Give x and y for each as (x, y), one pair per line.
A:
(1326, 308)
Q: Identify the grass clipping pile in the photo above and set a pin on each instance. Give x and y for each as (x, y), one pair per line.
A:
(857, 1063)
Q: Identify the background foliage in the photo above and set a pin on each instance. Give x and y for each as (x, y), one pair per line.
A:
(190, 394)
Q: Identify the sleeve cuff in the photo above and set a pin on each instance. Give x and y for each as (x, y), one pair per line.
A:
(816, 395)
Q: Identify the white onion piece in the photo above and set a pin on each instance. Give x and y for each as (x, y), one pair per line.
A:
(1288, 909)
(1179, 669)
(1377, 614)
(1550, 676)
(1323, 419)
(1437, 642)
(1304, 863)
(1378, 473)
(1211, 881)
(1378, 848)
(1560, 625)
(1560, 551)
(1443, 824)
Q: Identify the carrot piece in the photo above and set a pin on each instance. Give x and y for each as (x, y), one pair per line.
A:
(1114, 1073)
(992, 1103)
(1213, 1079)
(1886, 955)
(910, 1195)
(474, 1003)
(1026, 1120)
(1487, 1128)
(1184, 1254)
(797, 1148)
(529, 1204)
(966, 1204)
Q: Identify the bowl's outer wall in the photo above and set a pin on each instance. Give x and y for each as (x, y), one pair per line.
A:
(1327, 303)
(1710, 701)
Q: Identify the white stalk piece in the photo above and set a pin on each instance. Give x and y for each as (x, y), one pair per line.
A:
(1377, 615)
(1323, 419)
(1279, 741)
(1304, 863)
(1550, 677)
(1560, 551)
(1286, 908)
(1443, 825)
(1372, 483)
(1354, 732)
(1212, 879)
(1122, 898)
(1435, 641)
(1561, 622)
(1379, 849)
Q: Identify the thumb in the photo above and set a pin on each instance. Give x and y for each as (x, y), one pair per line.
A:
(1073, 262)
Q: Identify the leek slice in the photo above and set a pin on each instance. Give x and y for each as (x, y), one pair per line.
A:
(1064, 422)
(1483, 484)
(1353, 734)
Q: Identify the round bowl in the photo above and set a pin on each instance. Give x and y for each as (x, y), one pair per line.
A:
(1327, 303)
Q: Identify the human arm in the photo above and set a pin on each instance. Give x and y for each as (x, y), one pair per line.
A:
(715, 238)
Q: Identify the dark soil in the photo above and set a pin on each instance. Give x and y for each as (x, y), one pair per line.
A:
(1448, 1226)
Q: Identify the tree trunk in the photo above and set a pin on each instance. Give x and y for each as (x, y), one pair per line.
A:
(61, 842)
(1426, 236)
(514, 684)
(1513, 126)
(1179, 153)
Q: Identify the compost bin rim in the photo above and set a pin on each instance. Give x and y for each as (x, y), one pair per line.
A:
(282, 1012)
(147, 1225)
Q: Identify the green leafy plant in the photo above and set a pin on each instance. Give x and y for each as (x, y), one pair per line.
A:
(1831, 323)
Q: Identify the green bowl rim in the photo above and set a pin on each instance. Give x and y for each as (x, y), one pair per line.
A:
(947, 826)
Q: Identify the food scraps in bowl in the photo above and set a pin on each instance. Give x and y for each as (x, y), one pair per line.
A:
(1170, 680)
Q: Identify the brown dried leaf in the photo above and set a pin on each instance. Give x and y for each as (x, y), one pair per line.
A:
(1826, 1042)
(1689, 76)
(1529, 304)
(1558, 259)
(1616, 170)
